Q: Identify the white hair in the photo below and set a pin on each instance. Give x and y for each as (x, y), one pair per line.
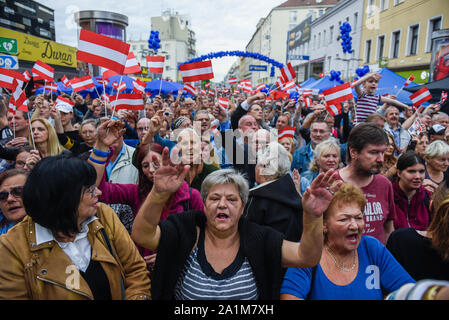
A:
(275, 159)
(437, 148)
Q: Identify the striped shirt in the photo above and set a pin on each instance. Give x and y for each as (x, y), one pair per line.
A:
(366, 105)
(198, 281)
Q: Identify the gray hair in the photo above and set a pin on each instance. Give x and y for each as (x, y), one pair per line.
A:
(275, 159)
(437, 116)
(201, 112)
(226, 176)
(437, 148)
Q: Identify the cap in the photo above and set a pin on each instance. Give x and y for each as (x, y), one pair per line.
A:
(64, 105)
(437, 129)
(179, 121)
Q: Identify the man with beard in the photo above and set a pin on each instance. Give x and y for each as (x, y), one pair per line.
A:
(366, 146)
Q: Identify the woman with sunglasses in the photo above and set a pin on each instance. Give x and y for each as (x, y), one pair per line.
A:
(11, 205)
(135, 194)
(69, 246)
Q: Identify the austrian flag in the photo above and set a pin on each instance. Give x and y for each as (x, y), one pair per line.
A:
(232, 81)
(83, 83)
(196, 71)
(409, 80)
(132, 65)
(338, 94)
(130, 101)
(7, 78)
(102, 51)
(223, 102)
(287, 132)
(139, 86)
(288, 73)
(156, 64)
(190, 89)
(420, 96)
(43, 71)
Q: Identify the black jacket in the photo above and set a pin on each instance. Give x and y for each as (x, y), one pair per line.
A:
(261, 245)
(277, 205)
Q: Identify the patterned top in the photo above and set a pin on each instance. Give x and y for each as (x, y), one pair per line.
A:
(366, 105)
(198, 280)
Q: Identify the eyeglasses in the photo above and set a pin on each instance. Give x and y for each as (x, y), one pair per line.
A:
(16, 192)
(142, 129)
(91, 190)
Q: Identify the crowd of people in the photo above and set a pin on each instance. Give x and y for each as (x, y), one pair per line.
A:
(186, 199)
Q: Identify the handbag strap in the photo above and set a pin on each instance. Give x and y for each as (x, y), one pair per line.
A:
(108, 244)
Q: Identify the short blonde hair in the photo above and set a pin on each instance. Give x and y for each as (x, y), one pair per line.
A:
(321, 148)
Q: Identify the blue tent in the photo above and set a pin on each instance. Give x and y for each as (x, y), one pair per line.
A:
(322, 84)
(308, 82)
(166, 87)
(391, 82)
(68, 90)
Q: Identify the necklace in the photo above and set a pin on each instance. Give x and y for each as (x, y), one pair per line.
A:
(342, 267)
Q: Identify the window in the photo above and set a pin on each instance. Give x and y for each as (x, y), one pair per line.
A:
(44, 33)
(324, 38)
(434, 25)
(384, 5)
(413, 39)
(167, 68)
(314, 42)
(46, 10)
(293, 16)
(27, 22)
(20, 5)
(41, 21)
(167, 57)
(320, 12)
(367, 51)
(52, 24)
(356, 16)
(395, 43)
(319, 39)
(331, 34)
(380, 47)
(371, 8)
(9, 10)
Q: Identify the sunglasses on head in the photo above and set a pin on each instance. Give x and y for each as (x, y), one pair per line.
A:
(15, 192)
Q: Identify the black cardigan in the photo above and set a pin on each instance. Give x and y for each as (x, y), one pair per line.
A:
(261, 245)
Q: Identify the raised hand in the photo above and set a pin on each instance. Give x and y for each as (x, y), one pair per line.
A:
(318, 196)
(168, 177)
(109, 131)
(297, 180)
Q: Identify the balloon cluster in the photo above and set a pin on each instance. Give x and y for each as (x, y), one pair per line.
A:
(335, 76)
(346, 39)
(362, 71)
(154, 41)
(246, 54)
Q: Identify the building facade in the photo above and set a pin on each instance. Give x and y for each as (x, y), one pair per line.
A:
(29, 17)
(270, 37)
(324, 48)
(178, 42)
(397, 34)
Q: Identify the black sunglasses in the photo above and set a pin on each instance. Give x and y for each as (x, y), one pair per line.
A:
(15, 192)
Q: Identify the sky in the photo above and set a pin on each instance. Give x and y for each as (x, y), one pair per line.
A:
(218, 25)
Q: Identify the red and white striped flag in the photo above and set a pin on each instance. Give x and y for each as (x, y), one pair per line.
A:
(308, 92)
(18, 94)
(105, 97)
(334, 109)
(130, 101)
(190, 89)
(289, 85)
(279, 84)
(139, 86)
(207, 85)
(43, 71)
(211, 92)
(65, 81)
(64, 104)
(245, 85)
(102, 51)
(214, 130)
(321, 96)
(225, 90)
(409, 80)
(420, 96)
(27, 76)
(288, 73)
(155, 64)
(83, 83)
(260, 87)
(105, 73)
(51, 87)
(203, 91)
(7, 78)
(132, 65)
(121, 87)
(232, 81)
(287, 132)
(224, 102)
(196, 71)
(64, 100)
(338, 94)
(443, 97)
(11, 107)
(307, 102)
